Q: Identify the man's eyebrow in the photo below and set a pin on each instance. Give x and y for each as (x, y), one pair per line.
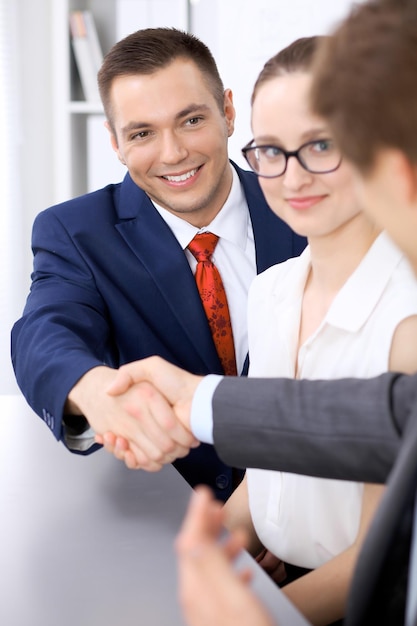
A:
(189, 110)
(192, 108)
(134, 126)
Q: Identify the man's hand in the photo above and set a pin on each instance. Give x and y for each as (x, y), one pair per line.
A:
(210, 590)
(139, 415)
(178, 387)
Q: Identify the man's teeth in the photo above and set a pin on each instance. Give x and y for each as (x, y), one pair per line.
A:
(180, 179)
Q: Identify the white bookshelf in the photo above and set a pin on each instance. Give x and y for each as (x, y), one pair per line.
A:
(71, 111)
(83, 157)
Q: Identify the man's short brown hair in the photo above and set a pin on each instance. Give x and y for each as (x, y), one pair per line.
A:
(151, 49)
(365, 81)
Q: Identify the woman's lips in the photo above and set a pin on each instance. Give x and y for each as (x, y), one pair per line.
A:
(304, 202)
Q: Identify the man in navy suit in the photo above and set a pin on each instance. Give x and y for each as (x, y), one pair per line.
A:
(113, 281)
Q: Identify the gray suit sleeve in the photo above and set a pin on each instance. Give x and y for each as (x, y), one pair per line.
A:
(348, 429)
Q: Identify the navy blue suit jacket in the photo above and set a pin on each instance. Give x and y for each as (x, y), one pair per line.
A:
(111, 285)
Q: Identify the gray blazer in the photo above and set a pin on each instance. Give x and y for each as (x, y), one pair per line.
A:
(351, 429)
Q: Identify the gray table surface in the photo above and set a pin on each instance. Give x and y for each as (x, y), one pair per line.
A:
(86, 542)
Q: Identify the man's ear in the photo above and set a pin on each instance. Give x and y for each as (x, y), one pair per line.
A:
(229, 111)
(113, 141)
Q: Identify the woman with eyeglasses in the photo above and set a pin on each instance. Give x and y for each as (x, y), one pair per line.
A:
(346, 307)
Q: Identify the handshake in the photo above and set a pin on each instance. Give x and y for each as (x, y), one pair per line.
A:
(144, 412)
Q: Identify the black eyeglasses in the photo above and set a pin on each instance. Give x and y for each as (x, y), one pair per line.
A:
(317, 157)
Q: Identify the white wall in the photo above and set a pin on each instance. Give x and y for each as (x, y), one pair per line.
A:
(36, 141)
(31, 155)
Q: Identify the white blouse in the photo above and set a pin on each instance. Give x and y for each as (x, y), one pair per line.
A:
(305, 520)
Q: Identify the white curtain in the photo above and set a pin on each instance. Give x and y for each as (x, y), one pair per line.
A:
(11, 253)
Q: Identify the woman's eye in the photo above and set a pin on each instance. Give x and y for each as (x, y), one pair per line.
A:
(323, 145)
(272, 152)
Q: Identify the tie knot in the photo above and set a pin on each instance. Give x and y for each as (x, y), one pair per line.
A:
(202, 246)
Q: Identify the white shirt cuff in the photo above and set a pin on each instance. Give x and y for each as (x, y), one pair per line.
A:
(80, 442)
(201, 418)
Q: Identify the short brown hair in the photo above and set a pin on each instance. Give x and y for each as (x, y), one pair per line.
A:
(365, 81)
(297, 57)
(148, 50)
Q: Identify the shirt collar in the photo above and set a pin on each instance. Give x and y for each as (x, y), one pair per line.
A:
(358, 297)
(230, 223)
(289, 285)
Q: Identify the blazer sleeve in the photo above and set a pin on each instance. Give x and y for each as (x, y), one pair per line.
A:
(63, 331)
(346, 429)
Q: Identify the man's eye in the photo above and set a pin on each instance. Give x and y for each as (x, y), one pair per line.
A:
(142, 134)
(193, 121)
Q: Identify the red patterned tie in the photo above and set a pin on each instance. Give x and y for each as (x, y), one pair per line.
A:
(213, 297)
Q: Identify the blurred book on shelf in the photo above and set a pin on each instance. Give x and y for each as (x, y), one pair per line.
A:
(87, 51)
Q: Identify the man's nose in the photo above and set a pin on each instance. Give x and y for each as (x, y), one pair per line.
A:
(172, 148)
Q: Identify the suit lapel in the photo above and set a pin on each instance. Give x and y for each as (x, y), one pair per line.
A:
(154, 244)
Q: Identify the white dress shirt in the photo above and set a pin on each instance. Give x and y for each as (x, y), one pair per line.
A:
(234, 256)
(201, 417)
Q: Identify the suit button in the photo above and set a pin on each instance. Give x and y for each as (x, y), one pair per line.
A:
(222, 482)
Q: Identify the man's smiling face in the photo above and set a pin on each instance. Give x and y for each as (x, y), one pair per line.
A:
(172, 136)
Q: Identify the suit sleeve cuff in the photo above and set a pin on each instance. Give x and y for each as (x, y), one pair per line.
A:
(77, 434)
(201, 418)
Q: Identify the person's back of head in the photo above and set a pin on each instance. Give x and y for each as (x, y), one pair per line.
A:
(365, 82)
(149, 50)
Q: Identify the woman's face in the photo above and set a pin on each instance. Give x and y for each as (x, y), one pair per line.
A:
(313, 205)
